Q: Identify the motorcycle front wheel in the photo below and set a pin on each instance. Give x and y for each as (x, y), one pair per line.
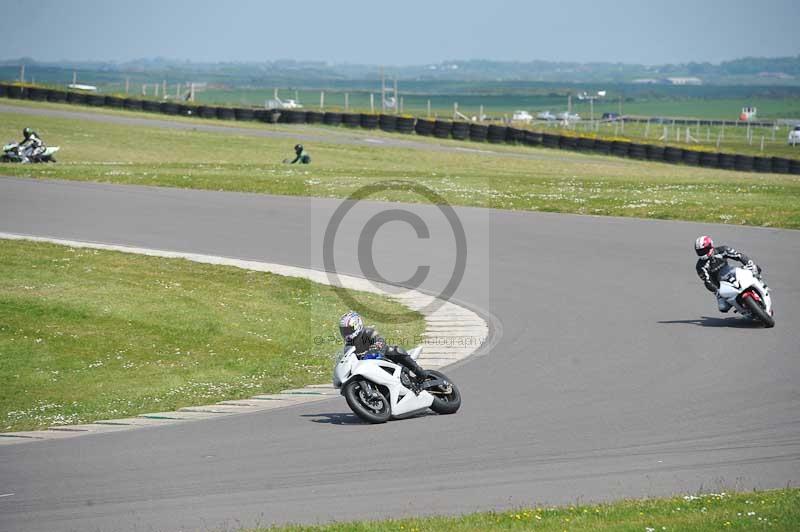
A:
(759, 312)
(372, 408)
(446, 399)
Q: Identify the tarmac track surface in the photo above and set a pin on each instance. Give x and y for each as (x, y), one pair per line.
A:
(613, 374)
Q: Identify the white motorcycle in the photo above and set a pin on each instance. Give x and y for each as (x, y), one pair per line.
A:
(377, 389)
(12, 154)
(747, 294)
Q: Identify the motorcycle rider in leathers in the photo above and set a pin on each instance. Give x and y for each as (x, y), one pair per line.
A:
(368, 342)
(713, 259)
(31, 146)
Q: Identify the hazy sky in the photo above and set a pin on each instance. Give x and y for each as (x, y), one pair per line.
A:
(402, 31)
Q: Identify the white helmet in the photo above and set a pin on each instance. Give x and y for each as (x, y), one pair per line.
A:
(351, 325)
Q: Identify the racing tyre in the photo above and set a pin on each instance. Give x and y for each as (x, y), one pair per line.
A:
(444, 401)
(371, 409)
(758, 312)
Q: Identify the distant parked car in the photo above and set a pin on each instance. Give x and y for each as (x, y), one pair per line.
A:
(569, 117)
(546, 115)
(611, 117)
(522, 116)
(794, 136)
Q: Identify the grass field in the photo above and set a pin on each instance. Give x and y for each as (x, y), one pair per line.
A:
(87, 334)
(777, 510)
(517, 178)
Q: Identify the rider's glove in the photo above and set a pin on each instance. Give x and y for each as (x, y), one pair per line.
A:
(752, 267)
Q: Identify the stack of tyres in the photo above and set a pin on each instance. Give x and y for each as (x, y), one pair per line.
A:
(351, 119)
(620, 148)
(3, 90)
(566, 142)
(532, 138)
(292, 116)
(150, 106)
(478, 132)
(185, 109)
(637, 151)
(424, 127)
(709, 160)
(57, 96)
(762, 164)
(226, 113)
(442, 129)
(780, 165)
(332, 118)
(96, 100)
(727, 161)
(78, 98)
(691, 157)
(243, 113)
(514, 135)
(369, 121)
(551, 141)
(37, 94)
(15, 92)
(168, 108)
(585, 144)
(497, 134)
(388, 123)
(204, 111)
(460, 130)
(115, 101)
(602, 146)
(744, 163)
(406, 124)
(655, 152)
(314, 117)
(673, 155)
(132, 104)
(794, 166)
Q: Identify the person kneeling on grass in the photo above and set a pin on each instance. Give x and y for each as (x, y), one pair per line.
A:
(300, 156)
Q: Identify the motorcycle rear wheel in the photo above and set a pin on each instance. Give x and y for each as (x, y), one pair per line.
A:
(444, 403)
(759, 312)
(375, 409)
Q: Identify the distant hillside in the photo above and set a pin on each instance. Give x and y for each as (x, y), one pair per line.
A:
(751, 71)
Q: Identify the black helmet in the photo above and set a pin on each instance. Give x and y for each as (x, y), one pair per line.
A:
(27, 132)
(298, 147)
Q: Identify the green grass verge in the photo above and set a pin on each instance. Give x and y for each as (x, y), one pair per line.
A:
(541, 179)
(777, 510)
(87, 334)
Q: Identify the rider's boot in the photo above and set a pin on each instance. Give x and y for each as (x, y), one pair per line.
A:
(722, 304)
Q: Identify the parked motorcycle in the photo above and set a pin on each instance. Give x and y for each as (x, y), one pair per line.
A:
(747, 294)
(377, 389)
(12, 154)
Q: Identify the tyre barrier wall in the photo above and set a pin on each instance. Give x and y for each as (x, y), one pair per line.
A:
(438, 128)
(478, 132)
(314, 117)
(424, 127)
(369, 121)
(351, 120)
(442, 129)
(405, 124)
(388, 123)
(332, 119)
(242, 113)
(460, 130)
(496, 134)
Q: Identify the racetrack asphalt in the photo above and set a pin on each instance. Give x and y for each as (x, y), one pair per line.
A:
(614, 375)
